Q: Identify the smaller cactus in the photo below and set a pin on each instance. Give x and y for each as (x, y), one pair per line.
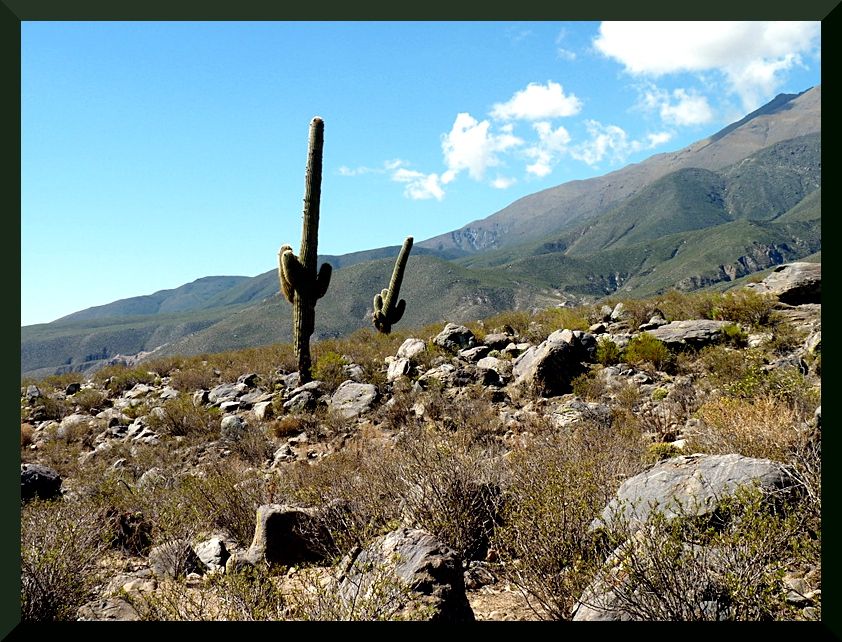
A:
(386, 311)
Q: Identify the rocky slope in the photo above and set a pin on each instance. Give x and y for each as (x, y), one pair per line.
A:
(393, 489)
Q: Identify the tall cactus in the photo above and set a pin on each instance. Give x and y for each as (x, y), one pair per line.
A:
(386, 312)
(300, 283)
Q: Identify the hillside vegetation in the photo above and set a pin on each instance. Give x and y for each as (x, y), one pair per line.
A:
(511, 489)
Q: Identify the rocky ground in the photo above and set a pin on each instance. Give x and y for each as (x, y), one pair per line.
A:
(131, 455)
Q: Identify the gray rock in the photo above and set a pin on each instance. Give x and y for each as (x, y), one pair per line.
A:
(515, 349)
(793, 283)
(226, 392)
(72, 388)
(411, 348)
(175, 559)
(691, 485)
(354, 372)
(352, 399)
(455, 337)
(152, 478)
(229, 406)
(397, 369)
(249, 380)
(500, 366)
(619, 313)
(415, 559)
(283, 454)
(231, 427)
(315, 387)
(33, 392)
(285, 536)
(474, 354)
(548, 369)
(655, 322)
(304, 401)
(213, 553)
(168, 393)
(137, 391)
(109, 609)
(497, 340)
(39, 481)
(71, 423)
(113, 417)
(201, 397)
(263, 410)
(598, 328)
(692, 332)
(291, 380)
(605, 312)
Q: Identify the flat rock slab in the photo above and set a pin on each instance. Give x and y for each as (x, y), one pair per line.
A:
(691, 485)
(793, 283)
(692, 332)
(352, 399)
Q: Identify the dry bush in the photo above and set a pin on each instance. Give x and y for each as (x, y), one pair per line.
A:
(291, 425)
(26, 431)
(181, 417)
(198, 377)
(89, 400)
(727, 566)
(559, 483)
(762, 426)
(744, 306)
(121, 378)
(253, 446)
(60, 548)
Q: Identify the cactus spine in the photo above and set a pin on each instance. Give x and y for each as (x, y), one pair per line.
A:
(386, 311)
(301, 285)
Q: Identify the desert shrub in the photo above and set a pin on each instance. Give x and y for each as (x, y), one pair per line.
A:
(724, 364)
(201, 376)
(329, 369)
(88, 399)
(182, 417)
(517, 320)
(607, 352)
(558, 485)
(660, 451)
(734, 335)
(121, 378)
(589, 385)
(645, 348)
(55, 408)
(291, 425)
(61, 381)
(744, 306)
(787, 384)
(685, 568)
(678, 306)
(60, 549)
(762, 426)
(250, 595)
(552, 319)
(26, 432)
(253, 446)
(785, 338)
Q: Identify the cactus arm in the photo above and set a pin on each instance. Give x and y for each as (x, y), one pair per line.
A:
(286, 286)
(323, 279)
(386, 312)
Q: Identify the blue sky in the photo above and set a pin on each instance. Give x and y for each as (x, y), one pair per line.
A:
(156, 153)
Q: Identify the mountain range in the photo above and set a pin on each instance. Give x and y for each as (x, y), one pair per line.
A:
(742, 200)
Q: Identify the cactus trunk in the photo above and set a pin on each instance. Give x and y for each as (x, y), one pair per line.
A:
(386, 311)
(300, 283)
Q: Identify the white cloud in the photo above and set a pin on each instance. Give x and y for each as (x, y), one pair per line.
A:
(503, 182)
(538, 102)
(565, 54)
(753, 55)
(612, 142)
(551, 144)
(388, 166)
(682, 107)
(419, 186)
(471, 146)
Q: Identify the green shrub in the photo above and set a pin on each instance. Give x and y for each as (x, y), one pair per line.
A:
(121, 378)
(329, 368)
(88, 399)
(735, 335)
(645, 348)
(744, 306)
(607, 352)
(182, 417)
(660, 451)
(589, 386)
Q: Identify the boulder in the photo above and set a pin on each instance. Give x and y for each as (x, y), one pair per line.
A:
(263, 410)
(231, 427)
(397, 369)
(691, 485)
(109, 609)
(304, 401)
(425, 573)
(249, 380)
(455, 337)
(352, 399)
(32, 392)
(39, 481)
(72, 388)
(411, 348)
(285, 535)
(497, 340)
(548, 368)
(692, 332)
(226, 392)
(213, 553)
(793, 283)
(175, 559)
(474, 354)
